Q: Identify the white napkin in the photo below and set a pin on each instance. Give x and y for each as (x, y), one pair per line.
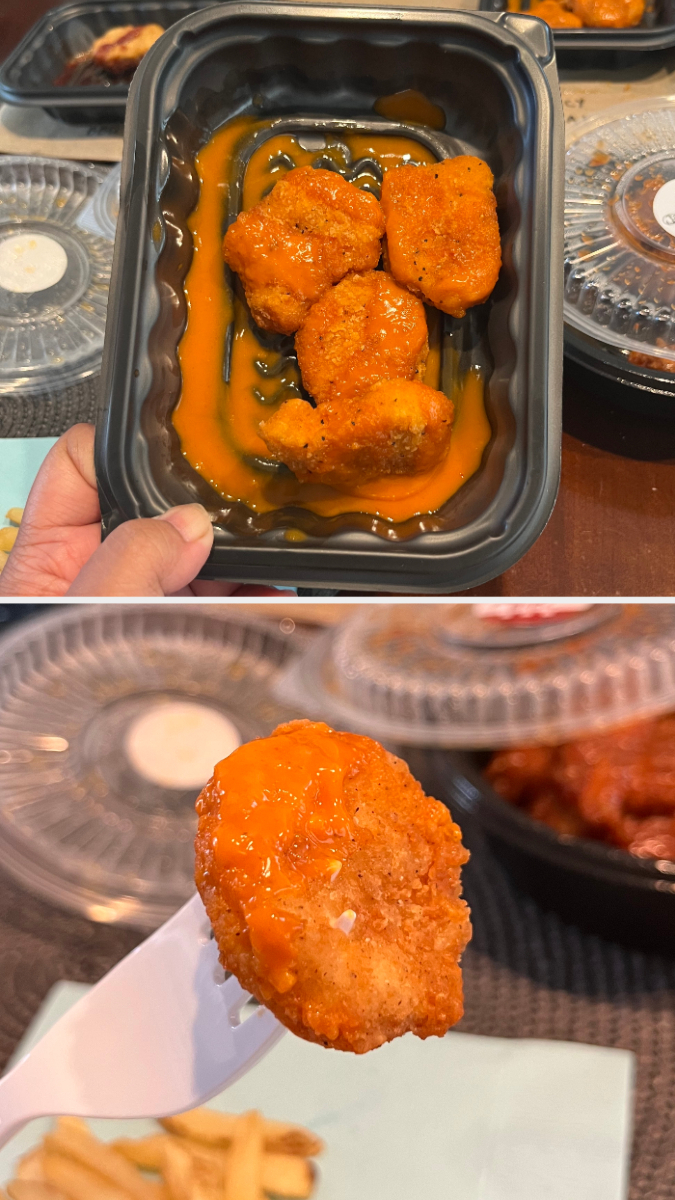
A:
(20, 461)
(457, 1118)
(28, 130)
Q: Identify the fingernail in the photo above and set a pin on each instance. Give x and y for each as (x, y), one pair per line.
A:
(190, 520)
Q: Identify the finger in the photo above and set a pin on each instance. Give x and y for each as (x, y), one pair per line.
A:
(64, 493)
(61, 525)
(153, 557)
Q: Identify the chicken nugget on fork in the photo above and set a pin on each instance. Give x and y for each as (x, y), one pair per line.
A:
(333, 887)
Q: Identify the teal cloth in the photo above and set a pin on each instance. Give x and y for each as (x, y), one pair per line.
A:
(457, 1118)
(20, 461)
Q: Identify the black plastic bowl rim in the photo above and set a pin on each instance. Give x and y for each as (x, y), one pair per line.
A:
(609, 362)
(612, 378)
(110, 100)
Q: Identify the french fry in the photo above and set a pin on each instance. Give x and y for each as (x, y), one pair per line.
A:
(8, 536)
(73, 1140)
(178, 1170)
(14, 515)
(228, 1161)
(31, 1166)
(210, 1163)
(216, 1129)
(287, 1175)
(244, 1167)
(282, 1174)
(78, 1182)
(28, 1189)
(146, 1153)
(76, 1124)
(209, 1177)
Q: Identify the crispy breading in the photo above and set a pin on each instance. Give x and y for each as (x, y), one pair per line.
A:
(124, 45)
(365, 329)
(311, 229)
(396, 428)
(442, 231)
(610, 14)
(376, 938)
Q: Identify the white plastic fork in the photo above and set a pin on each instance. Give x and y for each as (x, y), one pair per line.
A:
(159, 1034)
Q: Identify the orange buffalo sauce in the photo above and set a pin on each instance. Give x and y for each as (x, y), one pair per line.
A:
(217, 422)
(410, 105)
(281, 821)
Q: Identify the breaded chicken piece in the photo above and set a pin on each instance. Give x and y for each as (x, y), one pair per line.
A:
(307, 234)
(555, 14)
(333, 887)
(124, 46)
(396, 428)
(442, 231)
(610, 14)
(365, 329)
(618, 786)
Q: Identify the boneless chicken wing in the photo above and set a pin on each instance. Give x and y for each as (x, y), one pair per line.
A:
(617, 787)
(442, 231)
(365, 329)
(396, 428)
(311, 229)
(555, 14)
(610, 14)
(333, 887)
(124, 46)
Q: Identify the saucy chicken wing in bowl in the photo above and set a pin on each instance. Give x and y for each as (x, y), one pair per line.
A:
(306, 256)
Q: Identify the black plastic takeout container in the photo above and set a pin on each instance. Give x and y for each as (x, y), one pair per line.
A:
(495, 78)
(28, 75)
(611, 376)
(656, 31)
(600, 888)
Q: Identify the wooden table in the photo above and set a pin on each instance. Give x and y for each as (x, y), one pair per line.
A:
(612, 531)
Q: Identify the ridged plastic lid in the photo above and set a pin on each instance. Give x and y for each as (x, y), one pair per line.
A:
(99, 215)
(453, 676)
(54, 275)
(101, 708)
(620, 228)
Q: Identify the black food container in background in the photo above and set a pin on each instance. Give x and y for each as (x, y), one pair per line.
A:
(495, 79)
(608, 373)
(28, 76)
(602, 889)
(656, 31)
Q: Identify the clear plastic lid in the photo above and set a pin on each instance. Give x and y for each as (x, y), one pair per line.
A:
(453, 675)
(99, 215)
(620, 228)
(111, 720)
(54, 275)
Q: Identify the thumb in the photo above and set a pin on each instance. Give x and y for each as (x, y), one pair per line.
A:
(152, 557)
